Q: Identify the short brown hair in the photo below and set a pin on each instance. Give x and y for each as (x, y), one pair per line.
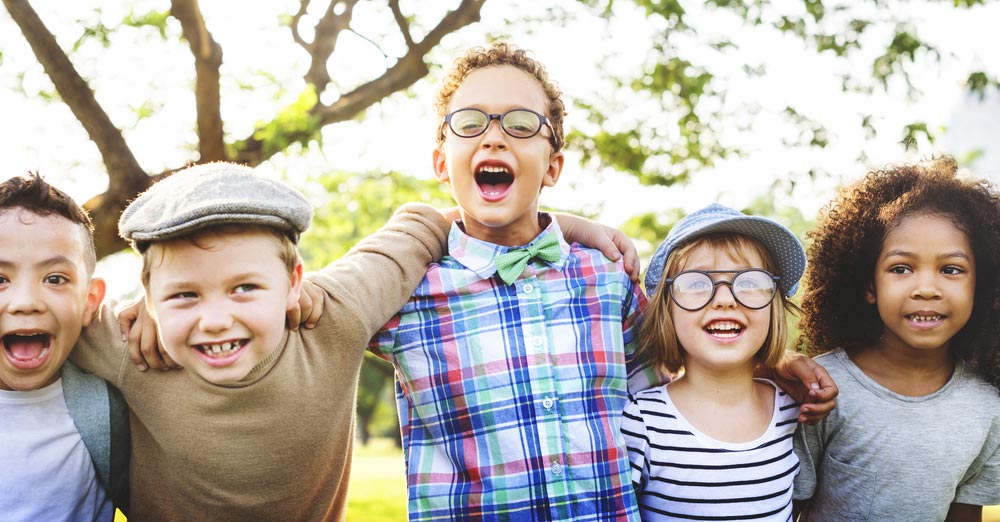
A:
(658, 337)
(502, 53)
(33, 193)
(287, 251)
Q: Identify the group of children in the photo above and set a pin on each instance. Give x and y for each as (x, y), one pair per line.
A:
(531, 371)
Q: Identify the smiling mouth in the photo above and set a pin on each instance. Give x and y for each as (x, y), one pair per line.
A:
(494, 181)
(925, 318)
(27, 351)
(724, 329)
(221, 350)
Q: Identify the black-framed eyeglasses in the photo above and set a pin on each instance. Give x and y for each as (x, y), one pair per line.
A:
(693, 290)
(517, 123)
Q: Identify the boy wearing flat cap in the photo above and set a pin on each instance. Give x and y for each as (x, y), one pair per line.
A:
(259, 425)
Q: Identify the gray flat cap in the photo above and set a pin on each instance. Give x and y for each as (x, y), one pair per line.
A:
(213, 194)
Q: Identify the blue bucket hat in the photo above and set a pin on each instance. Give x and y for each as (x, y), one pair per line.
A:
(781, 243)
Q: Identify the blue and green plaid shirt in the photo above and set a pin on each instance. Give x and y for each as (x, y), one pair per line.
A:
(510, 397)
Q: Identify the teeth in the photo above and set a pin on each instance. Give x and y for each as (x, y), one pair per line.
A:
(492, 169)
(724, 329)
(925, 318)
(219, 349)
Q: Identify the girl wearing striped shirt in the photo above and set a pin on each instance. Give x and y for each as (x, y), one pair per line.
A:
(716, 443)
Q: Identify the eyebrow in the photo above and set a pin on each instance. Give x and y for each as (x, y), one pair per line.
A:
(58, 259)
(947, 255)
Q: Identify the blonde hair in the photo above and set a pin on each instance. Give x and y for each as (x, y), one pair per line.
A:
(658, 336)
(287, 250)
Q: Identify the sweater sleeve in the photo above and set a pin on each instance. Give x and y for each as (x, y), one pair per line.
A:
(376, 277)
(100, 349)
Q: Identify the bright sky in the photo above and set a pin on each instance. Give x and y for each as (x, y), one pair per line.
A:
(398, 134)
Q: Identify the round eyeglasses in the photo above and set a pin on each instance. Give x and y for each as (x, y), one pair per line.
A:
(693, 290)
(517, 123)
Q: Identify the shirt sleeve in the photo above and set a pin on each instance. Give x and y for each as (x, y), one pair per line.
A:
(100, 349)
(376, 277)
(809, 448)
(637, 443)
(981, 486)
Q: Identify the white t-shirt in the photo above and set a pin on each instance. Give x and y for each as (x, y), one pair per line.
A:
(45, 469)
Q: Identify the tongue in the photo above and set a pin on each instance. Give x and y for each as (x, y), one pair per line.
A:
(26, 348)
(494, 188)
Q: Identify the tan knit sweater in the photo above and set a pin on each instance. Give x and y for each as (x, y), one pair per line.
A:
(276, 446)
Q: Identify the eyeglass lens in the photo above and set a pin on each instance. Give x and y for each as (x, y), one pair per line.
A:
(753, 289)
(519, 123)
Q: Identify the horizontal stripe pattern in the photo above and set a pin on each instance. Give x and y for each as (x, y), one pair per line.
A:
(681, 474)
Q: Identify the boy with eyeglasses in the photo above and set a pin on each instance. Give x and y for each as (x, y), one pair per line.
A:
(514, 357)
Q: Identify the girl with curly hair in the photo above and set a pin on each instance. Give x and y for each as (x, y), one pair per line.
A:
(902, 300)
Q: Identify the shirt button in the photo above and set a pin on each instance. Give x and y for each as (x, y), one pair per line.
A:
(548, 402)
(538, 340)
(556, 469)
(528, 288)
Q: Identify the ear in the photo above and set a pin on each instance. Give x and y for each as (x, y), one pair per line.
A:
(870, 293)
(441, 166)
(556, 161)
(95, 295)
(294, 286)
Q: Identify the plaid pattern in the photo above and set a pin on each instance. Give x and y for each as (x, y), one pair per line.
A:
(510, 396)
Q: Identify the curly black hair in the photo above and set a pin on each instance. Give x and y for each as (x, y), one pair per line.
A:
(847, 239)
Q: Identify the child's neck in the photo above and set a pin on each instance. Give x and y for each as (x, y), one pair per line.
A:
(729, 406)
(906, 371)
(519, 233)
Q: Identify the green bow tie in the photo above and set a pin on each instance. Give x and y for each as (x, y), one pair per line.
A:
(511, 264)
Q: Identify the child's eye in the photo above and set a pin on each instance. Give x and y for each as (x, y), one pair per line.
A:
(56, 279)
(183, 295)
(900, 269)
(952, 270)
(244, 288)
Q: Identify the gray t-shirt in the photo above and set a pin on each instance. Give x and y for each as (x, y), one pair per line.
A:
(888, 457)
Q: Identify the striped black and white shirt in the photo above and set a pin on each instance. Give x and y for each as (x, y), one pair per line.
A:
(680, 473)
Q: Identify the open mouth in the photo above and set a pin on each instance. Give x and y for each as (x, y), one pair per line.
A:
(27, 351)
(221, 350)
(724, 329)
(494, 181)
(924, 318)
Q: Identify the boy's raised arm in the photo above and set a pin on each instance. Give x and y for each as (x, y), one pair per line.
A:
(379, 274)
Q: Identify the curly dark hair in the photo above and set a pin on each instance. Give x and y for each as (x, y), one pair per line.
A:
(847, 240)
(502, 53)
(33, 193)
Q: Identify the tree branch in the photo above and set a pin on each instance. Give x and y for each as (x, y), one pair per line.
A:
(327, 30)
(404, 26)
(207, 60)
(125, 177)
(404, 73)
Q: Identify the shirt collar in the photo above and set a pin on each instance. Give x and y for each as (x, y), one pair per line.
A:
(478, 255)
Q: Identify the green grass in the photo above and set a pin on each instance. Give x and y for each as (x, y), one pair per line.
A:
(378, 486)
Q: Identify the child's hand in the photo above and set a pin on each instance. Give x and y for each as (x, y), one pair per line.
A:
(612, 242)
(139, 331)
(309, 308)
(810, 385)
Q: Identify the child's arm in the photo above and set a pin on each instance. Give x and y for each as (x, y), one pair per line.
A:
(613, 243)
(964, 513)
(809, 383)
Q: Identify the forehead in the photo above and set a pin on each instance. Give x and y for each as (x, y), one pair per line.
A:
(930, 233)
(720, 254)
(498, 88)
(27, 236)
(248, 248)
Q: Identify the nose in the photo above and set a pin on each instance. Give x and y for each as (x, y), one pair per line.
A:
(24, 299)
(494, 137)
(723, 297)
(215, 317)
(926, 287)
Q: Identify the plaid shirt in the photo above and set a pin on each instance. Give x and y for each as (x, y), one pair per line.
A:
(510, 396)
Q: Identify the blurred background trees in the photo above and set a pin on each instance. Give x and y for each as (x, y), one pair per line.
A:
(662, 94)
